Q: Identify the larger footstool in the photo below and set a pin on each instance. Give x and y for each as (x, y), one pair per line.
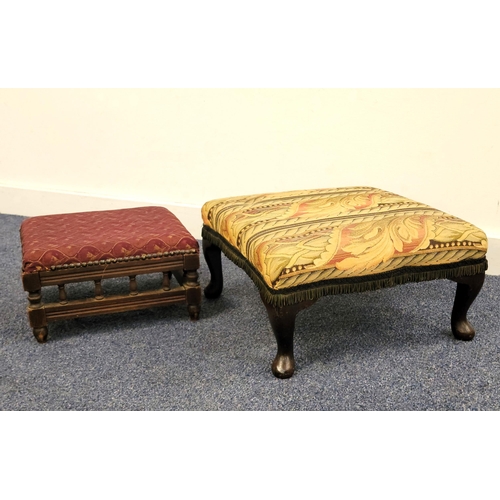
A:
(302, 245)
(95, 246)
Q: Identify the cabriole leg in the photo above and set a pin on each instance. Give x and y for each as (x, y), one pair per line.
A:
(282, 321)
(468, 287)
(212, 255)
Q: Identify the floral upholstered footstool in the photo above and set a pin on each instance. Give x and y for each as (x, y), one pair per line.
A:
(299, 246)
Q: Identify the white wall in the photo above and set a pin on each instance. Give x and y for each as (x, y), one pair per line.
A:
(180, 147)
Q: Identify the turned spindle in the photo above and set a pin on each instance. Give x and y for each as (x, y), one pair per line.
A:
(98, 290)
(63, 298)
(133, 285)
(166, 280)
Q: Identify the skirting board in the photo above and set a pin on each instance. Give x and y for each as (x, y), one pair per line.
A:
(30, 202)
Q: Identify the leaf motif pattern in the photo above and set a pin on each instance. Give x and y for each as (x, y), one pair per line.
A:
(302, 237)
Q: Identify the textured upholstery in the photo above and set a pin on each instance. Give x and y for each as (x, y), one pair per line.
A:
(300, 238)
(56, 240)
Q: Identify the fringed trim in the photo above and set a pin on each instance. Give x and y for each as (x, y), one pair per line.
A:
(346, 285)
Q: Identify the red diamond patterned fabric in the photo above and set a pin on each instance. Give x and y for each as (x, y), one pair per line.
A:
(55, 240)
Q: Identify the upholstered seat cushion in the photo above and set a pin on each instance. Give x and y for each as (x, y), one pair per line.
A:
(52, 241)
(299, 238)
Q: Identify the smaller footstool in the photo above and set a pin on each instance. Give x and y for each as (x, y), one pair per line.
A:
(299, 246)
(95, 246)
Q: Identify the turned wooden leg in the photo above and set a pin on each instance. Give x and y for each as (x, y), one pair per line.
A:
(282, 321)
(36, 315)
(212, 255)
(41, 334)
(468, 288)
(193, 294)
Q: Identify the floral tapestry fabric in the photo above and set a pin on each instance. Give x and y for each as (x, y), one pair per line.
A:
(301, 237)
(56, 240)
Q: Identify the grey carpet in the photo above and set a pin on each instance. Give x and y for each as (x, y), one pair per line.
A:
(385, 350)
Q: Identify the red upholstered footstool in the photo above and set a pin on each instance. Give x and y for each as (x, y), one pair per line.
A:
(94, 246)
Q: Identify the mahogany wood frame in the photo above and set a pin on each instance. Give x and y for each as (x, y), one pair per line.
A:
(184, 267)
(282, 318)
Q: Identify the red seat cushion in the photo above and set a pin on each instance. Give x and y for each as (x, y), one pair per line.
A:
(56, 240)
